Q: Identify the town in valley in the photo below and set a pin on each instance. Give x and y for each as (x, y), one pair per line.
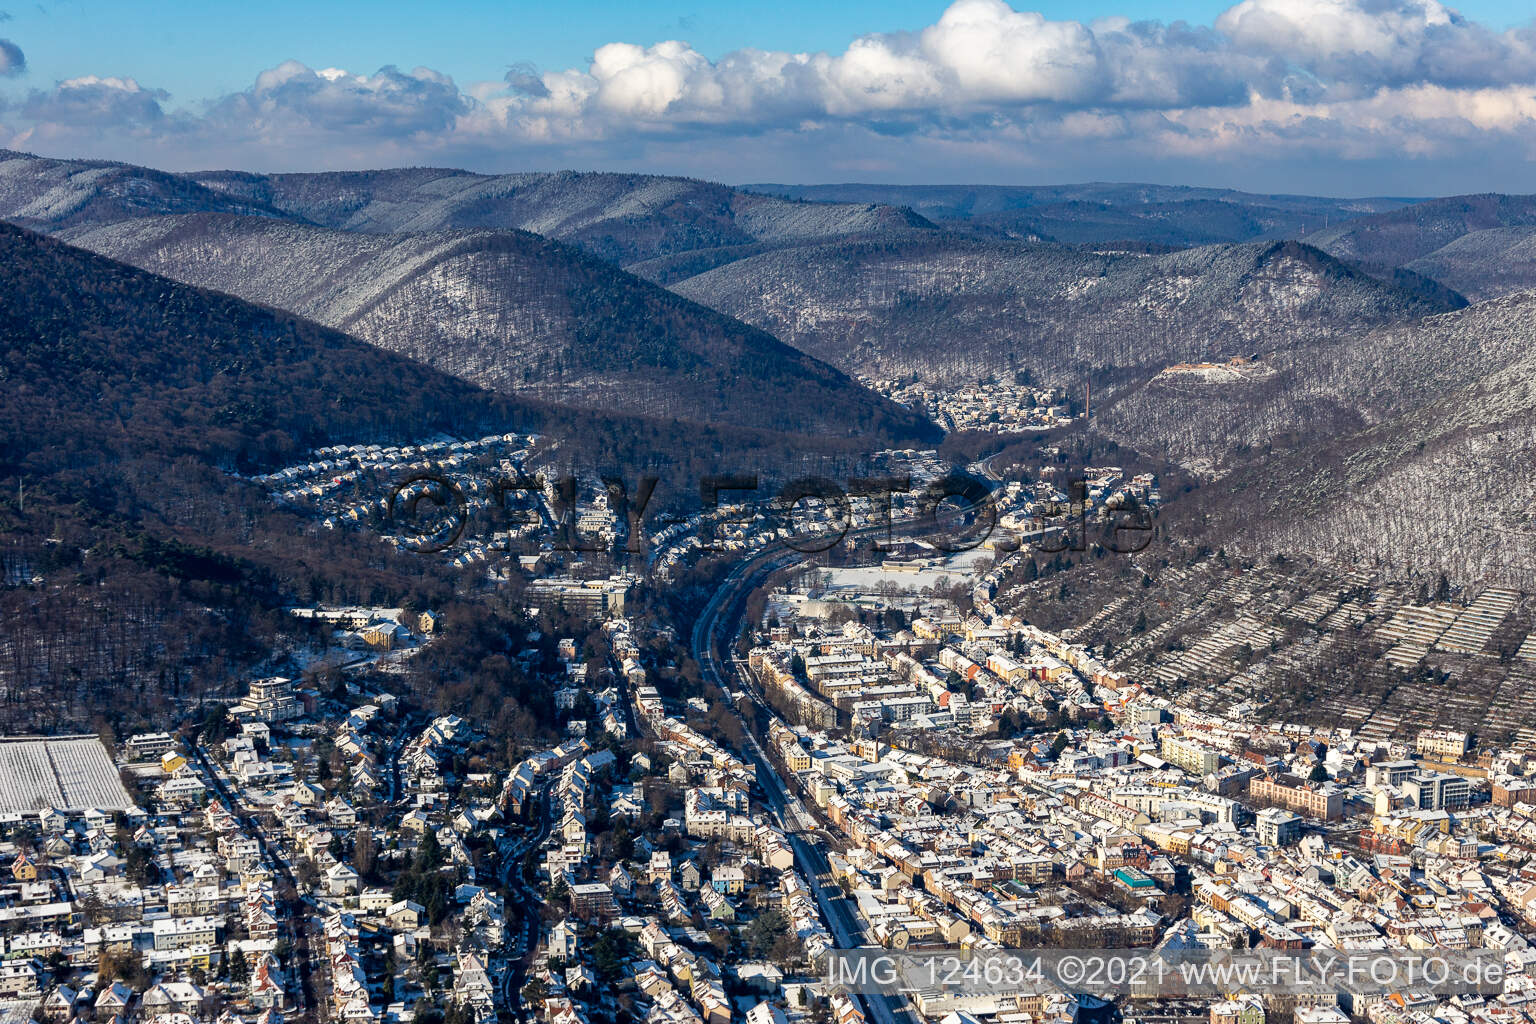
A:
(889, 743)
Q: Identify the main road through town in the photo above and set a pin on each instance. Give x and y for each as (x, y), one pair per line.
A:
(713, 634)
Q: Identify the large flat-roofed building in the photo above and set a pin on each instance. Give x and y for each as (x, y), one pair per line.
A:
(592, 598)
(1438, 791)
(1390, 773)
(1277, 827)
(593, 900)
(148, 746)
(1193, 756)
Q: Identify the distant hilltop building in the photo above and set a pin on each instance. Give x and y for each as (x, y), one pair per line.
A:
(270, 700)
(351, 617)
(1234, 369)
(1234, 361)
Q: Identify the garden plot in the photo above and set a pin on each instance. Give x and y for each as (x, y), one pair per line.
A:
(1474, 627)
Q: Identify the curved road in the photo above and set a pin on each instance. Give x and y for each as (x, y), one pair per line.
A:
(716, 628)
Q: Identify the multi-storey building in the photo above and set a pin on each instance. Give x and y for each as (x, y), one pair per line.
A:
(1315, 800)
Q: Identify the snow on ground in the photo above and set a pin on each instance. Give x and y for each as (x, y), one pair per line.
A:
(67, 773)
(955, 569)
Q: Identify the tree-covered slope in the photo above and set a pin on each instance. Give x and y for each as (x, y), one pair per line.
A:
(517, 313)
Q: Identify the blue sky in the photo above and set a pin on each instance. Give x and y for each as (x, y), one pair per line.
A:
(1346, 96)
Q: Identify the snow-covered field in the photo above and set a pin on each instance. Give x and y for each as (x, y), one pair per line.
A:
(70, 773)
(955, 569)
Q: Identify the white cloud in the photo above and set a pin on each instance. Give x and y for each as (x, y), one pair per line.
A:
(1358, 44)
(983, 58)
(91, 101)
(1311, 29)
(1341, 80)
(991, 52)
(388, 104)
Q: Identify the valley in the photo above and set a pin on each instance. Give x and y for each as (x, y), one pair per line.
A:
(599, 597)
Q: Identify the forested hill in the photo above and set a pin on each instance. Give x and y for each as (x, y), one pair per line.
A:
(622, 218)
(58, 196)
(956, 307)
(101, 362)
(1481, 245)
(1098, 212)
(135, 567)
(104, 364)
(1407, 447)
(516, 313)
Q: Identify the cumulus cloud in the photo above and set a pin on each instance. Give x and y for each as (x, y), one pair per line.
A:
(983, 61)
(980, 57)
(990, 52)
(92, 102)
(1359, 44)
(12, 60)
(984, 85)
(390, 103)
